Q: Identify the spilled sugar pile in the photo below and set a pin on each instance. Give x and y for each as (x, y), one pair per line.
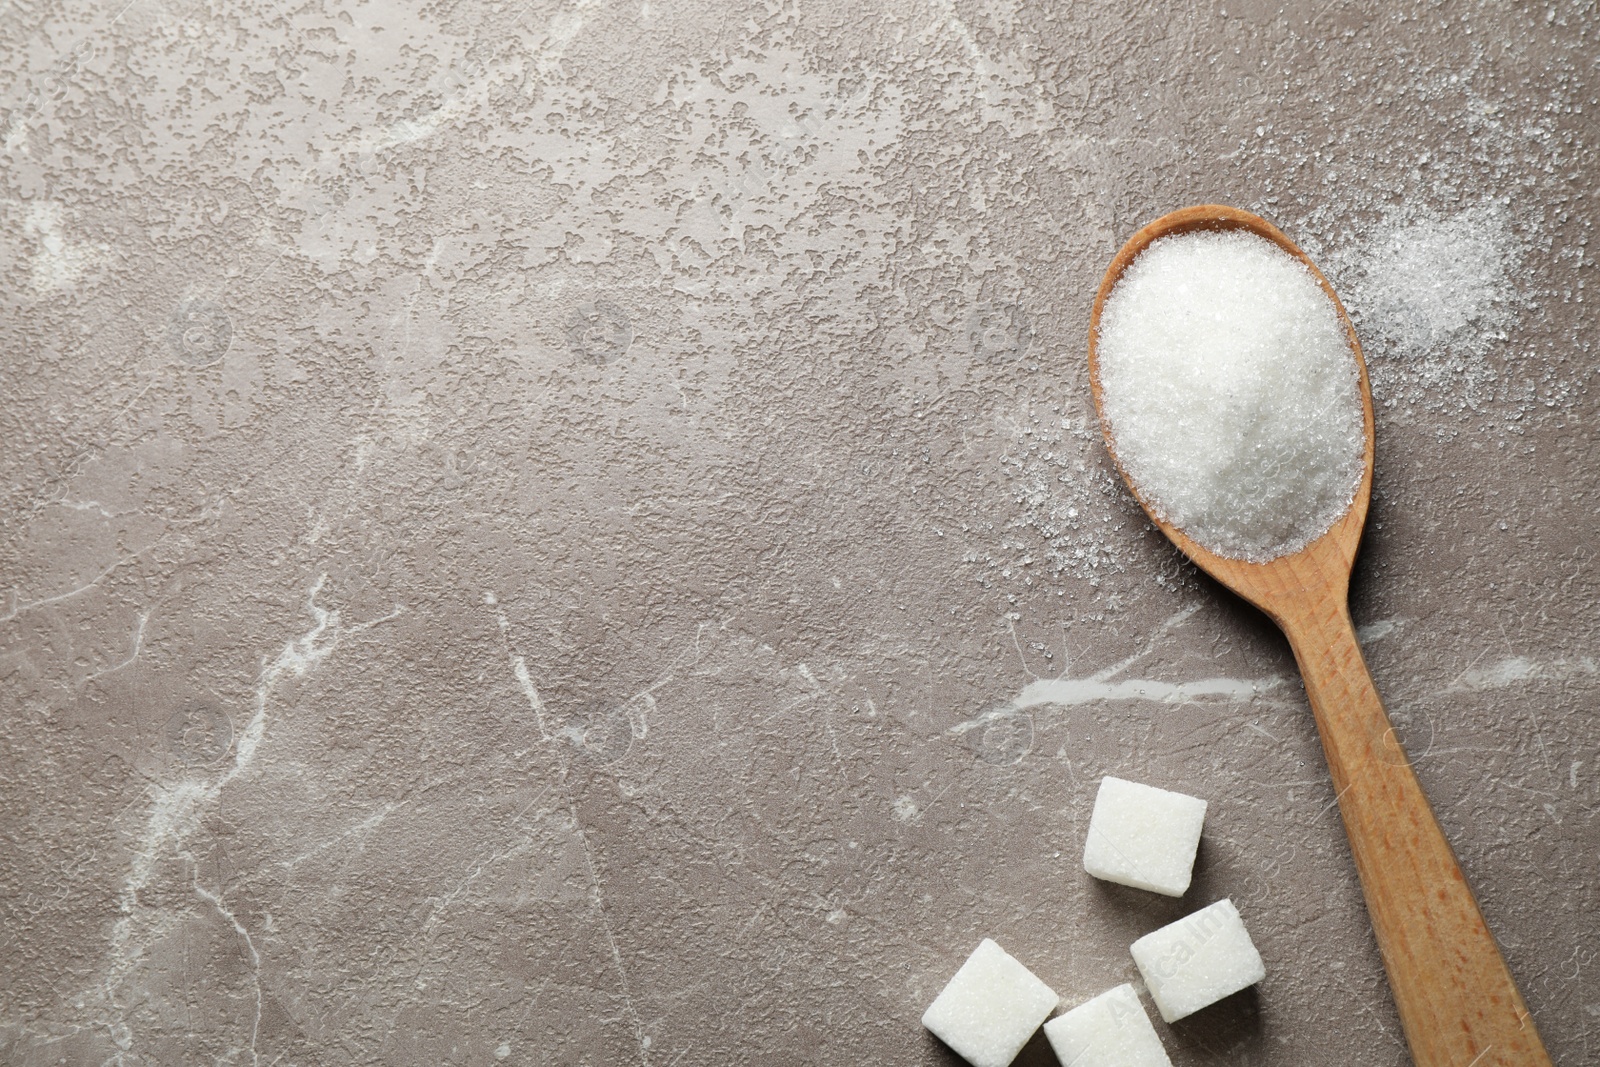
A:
(1435, 299)
(1444, 282)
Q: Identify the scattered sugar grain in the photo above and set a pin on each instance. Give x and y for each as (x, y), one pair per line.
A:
(990, 1009)
(1198, 960)
(1068, 509)
(1231, 392)
(1112, 1030)
(1144, 837)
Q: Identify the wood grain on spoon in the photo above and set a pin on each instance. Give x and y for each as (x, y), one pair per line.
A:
(1457, 1001)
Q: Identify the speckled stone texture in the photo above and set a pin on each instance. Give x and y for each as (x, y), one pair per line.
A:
(574, 532)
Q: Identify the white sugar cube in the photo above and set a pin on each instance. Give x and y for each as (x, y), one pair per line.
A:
(990, 1009)
(1111, 1030)
(1143, 836)
(1198, 960)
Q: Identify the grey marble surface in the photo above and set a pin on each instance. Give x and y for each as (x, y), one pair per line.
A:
(573, 533)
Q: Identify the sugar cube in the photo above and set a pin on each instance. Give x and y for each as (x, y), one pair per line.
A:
(1198, 960)
(1112, 1030)
(990, 1009)
(1143, 836)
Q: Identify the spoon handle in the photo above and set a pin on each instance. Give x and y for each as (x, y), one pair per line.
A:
(1458, 1003)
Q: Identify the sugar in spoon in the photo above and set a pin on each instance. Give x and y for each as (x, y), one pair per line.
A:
(1457, 1001)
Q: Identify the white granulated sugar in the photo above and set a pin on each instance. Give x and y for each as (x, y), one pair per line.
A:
(1440, 281)
(1198, 960)
(1066, 518)
(990, 1009)
(1112, 1030)
(1143, 837)
(1433, 296)
(1232, 394)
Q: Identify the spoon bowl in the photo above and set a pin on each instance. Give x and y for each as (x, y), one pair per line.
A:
(1275, 586)
(1458, 1004)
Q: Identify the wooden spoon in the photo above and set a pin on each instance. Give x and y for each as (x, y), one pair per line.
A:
(1457, 1001)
